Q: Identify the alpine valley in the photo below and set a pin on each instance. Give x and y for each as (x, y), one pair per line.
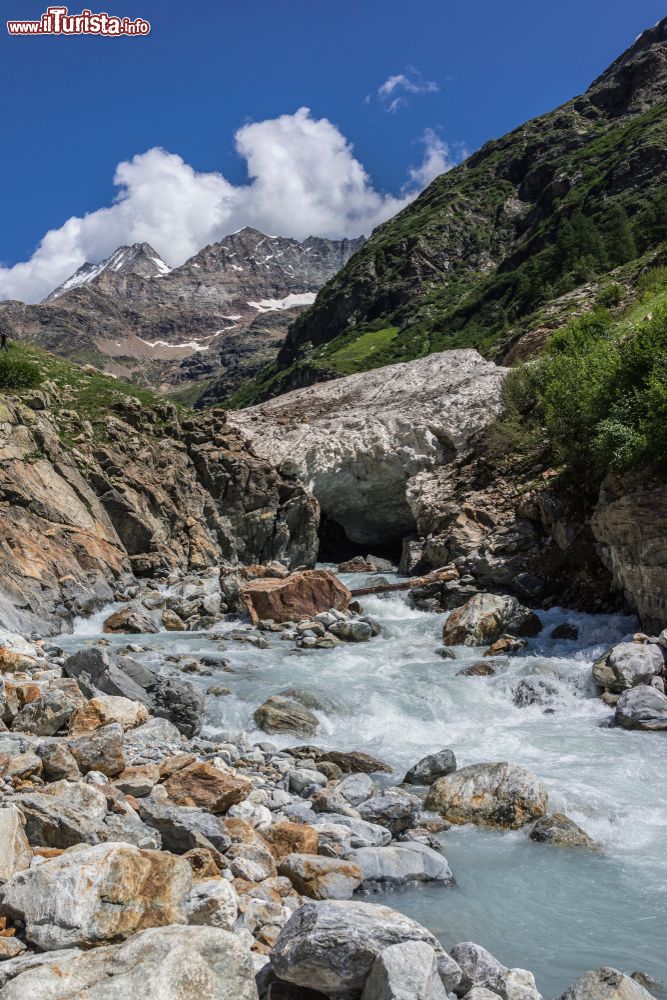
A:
(333, 595)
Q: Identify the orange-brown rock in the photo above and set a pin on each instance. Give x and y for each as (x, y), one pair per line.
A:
(321, 878)
(11, 661)
(203, 863)
(105, 709)
(298, 596)
(205, 785)
(293, 838)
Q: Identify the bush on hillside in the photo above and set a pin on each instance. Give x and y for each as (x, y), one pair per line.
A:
(598, 397)
(16, 374)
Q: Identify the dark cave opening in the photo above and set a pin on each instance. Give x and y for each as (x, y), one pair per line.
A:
(336, 547)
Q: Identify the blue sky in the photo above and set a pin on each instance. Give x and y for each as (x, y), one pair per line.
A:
(77, 107)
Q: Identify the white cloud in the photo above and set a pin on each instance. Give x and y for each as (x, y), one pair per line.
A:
(303, 180)
(439, 156)
(393, 93)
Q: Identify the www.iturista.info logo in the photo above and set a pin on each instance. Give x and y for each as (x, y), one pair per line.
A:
(58, 21)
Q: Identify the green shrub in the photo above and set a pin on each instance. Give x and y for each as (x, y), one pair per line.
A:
(609, 296)
(598, 397)
(15, 373)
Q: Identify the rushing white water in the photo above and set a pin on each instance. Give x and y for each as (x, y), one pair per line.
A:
(555, 912)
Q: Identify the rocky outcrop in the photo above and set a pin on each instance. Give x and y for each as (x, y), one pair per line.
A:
(357, 442)
(144, 494)
(630, 525)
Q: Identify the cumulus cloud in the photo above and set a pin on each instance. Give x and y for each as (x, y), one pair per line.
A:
(439, 156)
(395, 91)
(303, 179)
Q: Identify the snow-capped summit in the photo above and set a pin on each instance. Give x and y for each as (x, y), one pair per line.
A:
(140, 258)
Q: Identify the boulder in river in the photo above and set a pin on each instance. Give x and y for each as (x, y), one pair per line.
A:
(628, 664)
(332, 946)
(296, 597)
(285, 715)
(559, 830)
(498, 794)
(400, 864)
(129, 620)
(642, 707)
(435, 765)
(484, 618)
(605, 984)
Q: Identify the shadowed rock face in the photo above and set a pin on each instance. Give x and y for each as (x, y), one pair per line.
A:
(356, 442)
(74, 522)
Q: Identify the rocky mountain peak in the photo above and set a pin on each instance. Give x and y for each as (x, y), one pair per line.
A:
(637, 80)
(139, 258)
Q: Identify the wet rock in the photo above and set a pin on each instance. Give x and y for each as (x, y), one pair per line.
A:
(565, 631)
(352, 631)
(628, 664)
(642, 707)
(172, 963)
(172, 622)
(480, 669)
(15, 851)
(98, 894)
(561, 831)
(506, 645)
(400, 864)
(485, 617)
(435, 765)
(183, 828)
(46, 715)
(605, 984)
(498, 794)
(350, 761)
(331, 946)
(131, 619)
(297, 597)
(106, 709)
(321, 878)
(403, 972)
(478, 968)
(285, 715)
(212, 902)
(393, 808)
(101, 750)
(359, 564)
(534, 691)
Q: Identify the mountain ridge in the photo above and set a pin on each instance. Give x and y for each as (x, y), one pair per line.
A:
(559, 201)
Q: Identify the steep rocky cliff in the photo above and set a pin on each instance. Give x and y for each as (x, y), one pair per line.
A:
(141, 492)
(206, 325)
(541, 211)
